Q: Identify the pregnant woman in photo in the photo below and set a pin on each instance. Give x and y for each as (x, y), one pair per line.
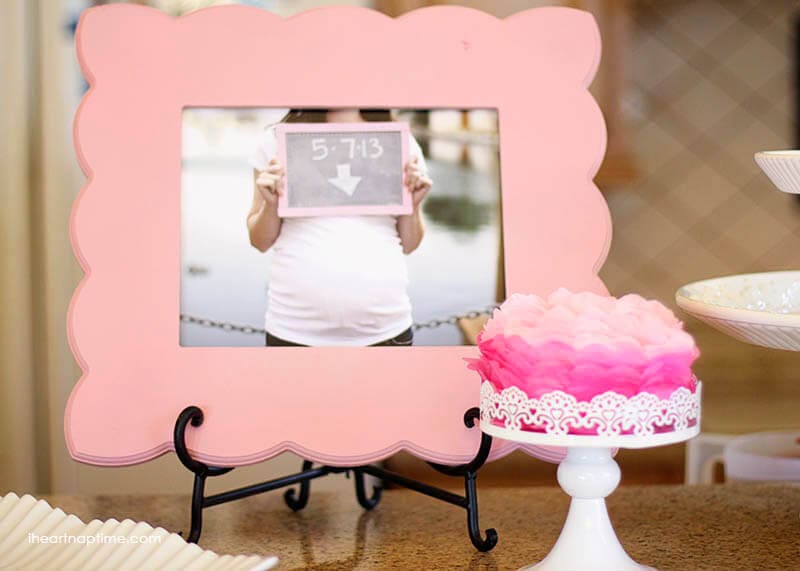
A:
(335, 280)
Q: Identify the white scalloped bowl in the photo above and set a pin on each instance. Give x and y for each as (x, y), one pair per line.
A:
(782, 168)
(761, 309)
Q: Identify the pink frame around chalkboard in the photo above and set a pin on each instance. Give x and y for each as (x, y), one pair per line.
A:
(339, 406)
(284, 209)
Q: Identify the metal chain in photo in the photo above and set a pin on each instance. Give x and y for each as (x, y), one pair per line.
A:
(253, 330)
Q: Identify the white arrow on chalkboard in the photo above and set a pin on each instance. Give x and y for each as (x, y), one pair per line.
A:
(344, 181)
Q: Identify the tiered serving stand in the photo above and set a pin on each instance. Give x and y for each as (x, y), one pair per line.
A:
(762, 309)
(591, 431)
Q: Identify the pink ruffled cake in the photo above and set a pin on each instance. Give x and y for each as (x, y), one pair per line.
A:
(586, 346)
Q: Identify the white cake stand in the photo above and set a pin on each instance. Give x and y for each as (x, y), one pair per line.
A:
(589, 473)
(761, 309)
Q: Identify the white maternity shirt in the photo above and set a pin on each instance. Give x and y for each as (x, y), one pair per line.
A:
(336, 280)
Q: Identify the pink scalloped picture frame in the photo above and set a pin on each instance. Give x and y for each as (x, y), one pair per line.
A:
(336, 405)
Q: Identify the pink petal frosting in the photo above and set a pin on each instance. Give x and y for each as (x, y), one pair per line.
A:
(585, 344)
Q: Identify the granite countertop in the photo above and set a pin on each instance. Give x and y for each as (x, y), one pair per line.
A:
(721, 527)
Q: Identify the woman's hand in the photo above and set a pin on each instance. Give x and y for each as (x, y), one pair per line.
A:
(270, 183)
(417, 183)
(263, 223)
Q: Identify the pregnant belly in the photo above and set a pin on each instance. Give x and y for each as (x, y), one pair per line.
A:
(363, 288)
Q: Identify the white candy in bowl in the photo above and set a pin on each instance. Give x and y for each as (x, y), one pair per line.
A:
(783, 169)
(762, 309)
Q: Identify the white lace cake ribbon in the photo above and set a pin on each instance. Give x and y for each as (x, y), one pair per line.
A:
(607, 414)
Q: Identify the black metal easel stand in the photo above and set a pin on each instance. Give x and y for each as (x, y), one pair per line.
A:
(297, 500)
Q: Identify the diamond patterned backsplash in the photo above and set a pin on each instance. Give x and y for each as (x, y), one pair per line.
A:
(710, 84)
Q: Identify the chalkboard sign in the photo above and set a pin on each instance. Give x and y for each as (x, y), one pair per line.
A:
(343, 168)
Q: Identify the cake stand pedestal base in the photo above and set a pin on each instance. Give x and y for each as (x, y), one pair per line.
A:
(588, 473)
(587, 541)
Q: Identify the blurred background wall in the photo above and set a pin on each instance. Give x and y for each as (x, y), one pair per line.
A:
(690, 90)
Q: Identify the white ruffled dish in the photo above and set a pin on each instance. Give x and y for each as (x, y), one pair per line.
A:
(761, 309)
(34, 535)
(783, 169)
